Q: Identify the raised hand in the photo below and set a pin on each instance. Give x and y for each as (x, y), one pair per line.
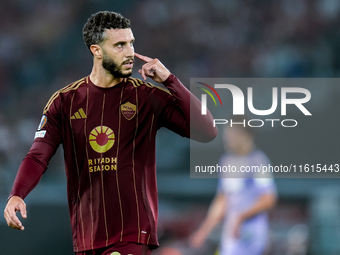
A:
(153, 68)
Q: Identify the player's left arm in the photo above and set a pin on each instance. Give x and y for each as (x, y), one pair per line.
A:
(183, 117)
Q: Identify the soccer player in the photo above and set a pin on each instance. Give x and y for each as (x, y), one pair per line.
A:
(107, 124)
(242, 199)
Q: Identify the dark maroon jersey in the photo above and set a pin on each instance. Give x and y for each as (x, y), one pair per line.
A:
(108, 136)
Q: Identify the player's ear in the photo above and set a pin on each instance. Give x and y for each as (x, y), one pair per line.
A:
(96, 50)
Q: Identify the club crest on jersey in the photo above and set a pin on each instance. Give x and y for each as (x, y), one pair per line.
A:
(43, 122)
(128, 110)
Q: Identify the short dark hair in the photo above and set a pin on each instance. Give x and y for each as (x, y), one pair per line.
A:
(94, 28)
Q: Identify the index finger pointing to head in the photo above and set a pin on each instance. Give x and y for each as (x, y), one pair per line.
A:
(144, 58)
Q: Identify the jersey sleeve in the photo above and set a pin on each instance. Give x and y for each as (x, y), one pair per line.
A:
(182, 114)
(46, 141)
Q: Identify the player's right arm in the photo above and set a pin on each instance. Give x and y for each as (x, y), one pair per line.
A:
(15, 204)
(47, 140)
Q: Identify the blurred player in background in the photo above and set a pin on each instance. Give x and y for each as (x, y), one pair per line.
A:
(107, 123)
(242, 199)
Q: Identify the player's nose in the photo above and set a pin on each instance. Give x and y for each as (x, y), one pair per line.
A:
(130, 51)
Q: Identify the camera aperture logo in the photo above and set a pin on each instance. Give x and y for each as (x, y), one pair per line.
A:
(204, 97)
(238, 105)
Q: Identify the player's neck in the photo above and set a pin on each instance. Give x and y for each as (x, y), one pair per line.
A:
(104, 79)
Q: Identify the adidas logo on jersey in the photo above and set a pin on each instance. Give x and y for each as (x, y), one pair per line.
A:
(80, 114)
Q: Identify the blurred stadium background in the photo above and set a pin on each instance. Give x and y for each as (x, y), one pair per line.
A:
(41, 50)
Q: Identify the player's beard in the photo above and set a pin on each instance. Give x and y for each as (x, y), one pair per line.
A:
(116, 70)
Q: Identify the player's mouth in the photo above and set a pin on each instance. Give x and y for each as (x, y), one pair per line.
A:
(128, 64)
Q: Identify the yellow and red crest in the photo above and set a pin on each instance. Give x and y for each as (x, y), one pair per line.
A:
(128, 110)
